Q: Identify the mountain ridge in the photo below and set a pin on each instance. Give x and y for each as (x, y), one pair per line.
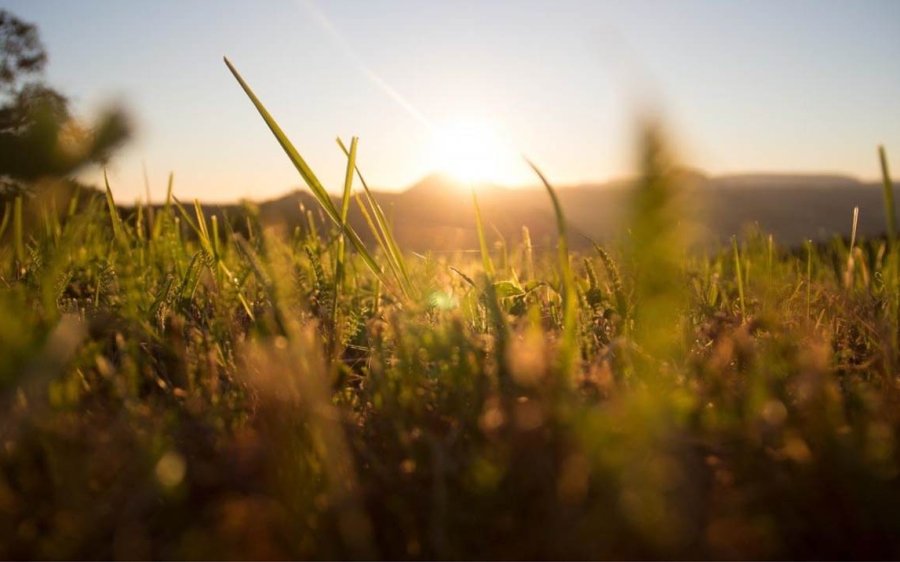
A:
(435, 213)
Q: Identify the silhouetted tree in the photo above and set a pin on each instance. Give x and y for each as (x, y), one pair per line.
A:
(38, 136)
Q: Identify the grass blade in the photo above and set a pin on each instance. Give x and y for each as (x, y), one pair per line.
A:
(851, 262)
(385, 234)
(486, 262)
(306, 172)
(739, 277)
(118, 230)
(339, 259)
(889, 210)
(570, 297)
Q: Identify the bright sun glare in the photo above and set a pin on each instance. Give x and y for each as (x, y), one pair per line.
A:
(473, 152)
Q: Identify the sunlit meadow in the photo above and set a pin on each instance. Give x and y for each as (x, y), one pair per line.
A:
(179, 385)
(187, 381)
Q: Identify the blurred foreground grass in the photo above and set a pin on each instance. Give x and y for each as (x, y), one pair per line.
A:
(177, 387)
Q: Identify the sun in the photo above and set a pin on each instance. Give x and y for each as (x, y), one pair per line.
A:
(472, 152)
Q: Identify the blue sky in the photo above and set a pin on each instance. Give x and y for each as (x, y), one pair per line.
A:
(743, 86)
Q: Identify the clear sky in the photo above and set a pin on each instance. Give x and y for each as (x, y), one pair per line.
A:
(743, 86)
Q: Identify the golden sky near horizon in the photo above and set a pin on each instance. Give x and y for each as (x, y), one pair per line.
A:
(465, 88)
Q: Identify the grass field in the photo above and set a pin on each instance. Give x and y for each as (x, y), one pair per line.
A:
(173, 389)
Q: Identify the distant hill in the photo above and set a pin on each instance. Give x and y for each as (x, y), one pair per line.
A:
(436, 213)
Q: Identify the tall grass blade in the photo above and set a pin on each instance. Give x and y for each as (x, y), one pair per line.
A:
(149, 203)
(348, 179)
(306, 172)
(187, 218)
(486, 262)
(370, 222)
(215, 236)
(809, 250)
(889, 210)
(570, 297)
(739, 277)
(202, 230)
(384, 233)
(118, 229)
(893, 269)
(851, 262)
(166, 213)
(339, 259)
(529, 253)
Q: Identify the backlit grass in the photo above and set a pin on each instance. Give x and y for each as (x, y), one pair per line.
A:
(175, 386)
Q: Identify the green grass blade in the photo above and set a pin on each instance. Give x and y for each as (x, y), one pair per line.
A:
(851, 260)
(187, 218)
(202, 230)
(889, 210)
(169, 187)
(348, 179)
(215, 236)
(149, 203)
(166, 213)
(570, 296)
(118, 229)
(384, 234)
(345, 207)
(739, 276)
(529, 253)
(809, 251)
(890, 213)
(305, 171)
(486, 262)
(339, 265)
(385, 248)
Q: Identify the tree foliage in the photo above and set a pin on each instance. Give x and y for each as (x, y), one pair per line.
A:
(39, 137)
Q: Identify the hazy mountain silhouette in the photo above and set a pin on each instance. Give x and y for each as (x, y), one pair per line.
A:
(436, 213)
